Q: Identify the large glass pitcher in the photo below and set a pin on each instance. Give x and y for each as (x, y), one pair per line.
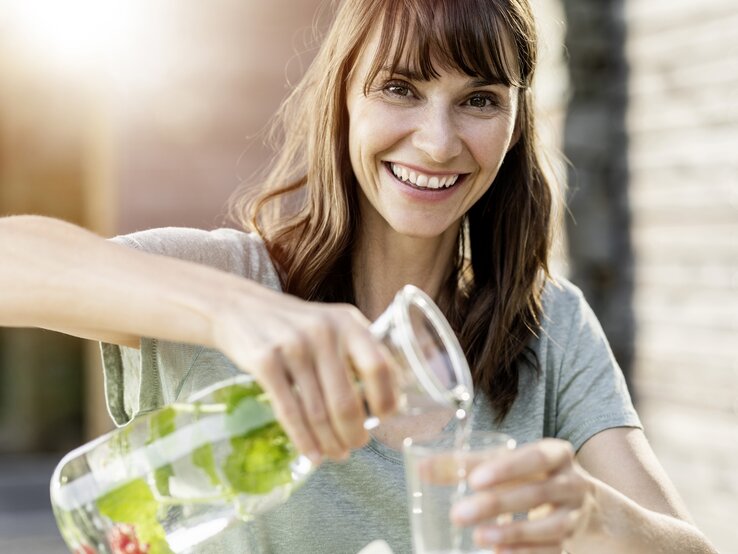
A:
(174, 478)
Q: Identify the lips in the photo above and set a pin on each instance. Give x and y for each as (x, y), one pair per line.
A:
(422, 180)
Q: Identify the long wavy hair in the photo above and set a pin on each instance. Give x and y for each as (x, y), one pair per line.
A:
(307, 208)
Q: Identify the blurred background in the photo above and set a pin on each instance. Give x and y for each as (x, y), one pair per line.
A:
(128, 114)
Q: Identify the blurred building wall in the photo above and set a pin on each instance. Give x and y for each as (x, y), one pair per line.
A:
(596, 144)
(44, 158)
(188, 139)
(551, 91)
(651, 133)
(683, 132)
(161, 135)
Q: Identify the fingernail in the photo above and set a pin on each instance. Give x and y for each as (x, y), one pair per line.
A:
(464, 512)
(491, 535)
(482, 477)
(315, 457)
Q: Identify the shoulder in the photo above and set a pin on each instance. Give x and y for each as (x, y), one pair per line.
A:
(584, 387)
(226, 249)
(567, 322)
(562, 302)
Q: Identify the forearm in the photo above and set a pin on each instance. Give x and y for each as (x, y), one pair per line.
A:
(618, 525)
(58, 276)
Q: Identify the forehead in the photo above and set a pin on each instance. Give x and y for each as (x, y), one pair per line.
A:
(426, 48)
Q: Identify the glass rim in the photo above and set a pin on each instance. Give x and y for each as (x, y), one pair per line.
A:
(447, 441)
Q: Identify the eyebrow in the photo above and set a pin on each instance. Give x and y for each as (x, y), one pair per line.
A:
(404, 71)
(484, 82)
(416, 76)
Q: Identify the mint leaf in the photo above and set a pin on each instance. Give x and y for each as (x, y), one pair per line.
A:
(134, 504)
(161, 424)
(260, 460)
(203, 458)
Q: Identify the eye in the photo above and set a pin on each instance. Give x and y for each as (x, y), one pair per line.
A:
(397, 89)
(482, 101)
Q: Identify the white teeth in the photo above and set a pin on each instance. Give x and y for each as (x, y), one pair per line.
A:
(421, 180)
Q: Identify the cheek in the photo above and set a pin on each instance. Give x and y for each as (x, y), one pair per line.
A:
(488, 146)
(361, 150)
(373, 129)
(358, 134)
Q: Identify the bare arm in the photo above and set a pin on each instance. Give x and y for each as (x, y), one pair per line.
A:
(57, 276)
(61, 277)
(636, 507)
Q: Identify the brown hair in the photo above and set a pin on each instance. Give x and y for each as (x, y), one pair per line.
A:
(307, 209)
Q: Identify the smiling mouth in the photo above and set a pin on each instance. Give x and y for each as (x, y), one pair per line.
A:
(422, 181)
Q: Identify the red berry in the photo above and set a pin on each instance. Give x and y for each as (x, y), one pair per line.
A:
(122, 540)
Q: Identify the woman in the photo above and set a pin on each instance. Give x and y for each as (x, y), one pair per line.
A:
(408, 156)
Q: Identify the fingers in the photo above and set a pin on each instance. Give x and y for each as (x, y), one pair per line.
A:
(449, 467)
(348, 352)
(344, 404)
(309, 364)
(373, 366)
(541, 479)
(440, 470)
(309, 392)
(530, 535)
(287, 407)
(539, 458)
(528, 549)
(563, 489)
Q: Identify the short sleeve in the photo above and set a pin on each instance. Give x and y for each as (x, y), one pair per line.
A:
(159, 372)
(138, 381)
(591, 393)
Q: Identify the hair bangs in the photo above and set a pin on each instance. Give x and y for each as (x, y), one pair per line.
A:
(470, 36)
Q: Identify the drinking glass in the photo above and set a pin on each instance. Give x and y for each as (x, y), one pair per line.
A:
(436, 471)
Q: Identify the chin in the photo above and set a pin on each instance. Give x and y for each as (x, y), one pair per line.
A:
(418, 231)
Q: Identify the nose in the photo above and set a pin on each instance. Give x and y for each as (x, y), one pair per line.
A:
(437, 135)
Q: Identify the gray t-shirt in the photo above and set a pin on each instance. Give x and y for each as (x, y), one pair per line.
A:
(344, 506)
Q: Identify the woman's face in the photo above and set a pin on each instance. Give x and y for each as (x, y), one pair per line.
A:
(423, 152)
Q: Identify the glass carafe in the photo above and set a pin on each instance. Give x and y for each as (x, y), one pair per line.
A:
(174, 478)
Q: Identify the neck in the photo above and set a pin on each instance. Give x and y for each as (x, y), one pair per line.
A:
(386, 261)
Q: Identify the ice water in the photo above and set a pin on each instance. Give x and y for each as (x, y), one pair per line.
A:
(437, 472)
(463, 427)
(437, 499)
